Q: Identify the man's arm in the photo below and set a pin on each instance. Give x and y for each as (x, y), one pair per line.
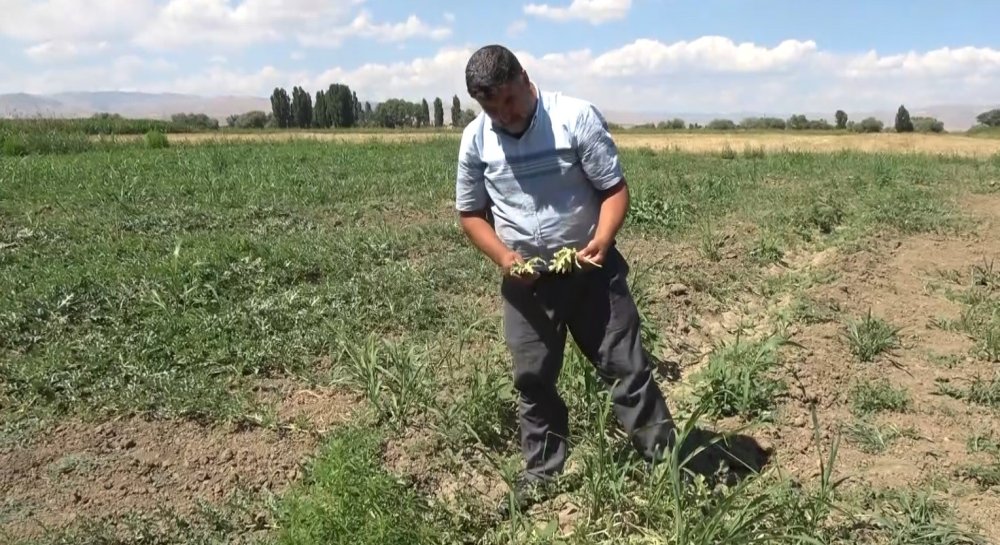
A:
(614, 207)
(599, 159)
(484, 237)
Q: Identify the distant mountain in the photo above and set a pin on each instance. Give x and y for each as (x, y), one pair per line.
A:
(956, 117)
(128, 104)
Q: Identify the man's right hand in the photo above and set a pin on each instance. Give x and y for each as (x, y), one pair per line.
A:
(510, 259)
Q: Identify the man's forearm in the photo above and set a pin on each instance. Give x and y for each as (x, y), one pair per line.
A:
(614, 207)
(482, 235)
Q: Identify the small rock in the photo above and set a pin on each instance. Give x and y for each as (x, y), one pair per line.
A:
(227, 456)
(799, 421)
(678, 289)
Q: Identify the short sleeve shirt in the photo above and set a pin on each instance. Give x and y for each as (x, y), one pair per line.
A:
(544, 187)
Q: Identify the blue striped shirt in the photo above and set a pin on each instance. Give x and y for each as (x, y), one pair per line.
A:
(543, 188)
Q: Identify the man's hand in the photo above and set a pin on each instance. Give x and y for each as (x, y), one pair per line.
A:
(594, 253)
(508, 261)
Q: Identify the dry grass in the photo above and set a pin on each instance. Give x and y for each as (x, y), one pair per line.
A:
(680, 141)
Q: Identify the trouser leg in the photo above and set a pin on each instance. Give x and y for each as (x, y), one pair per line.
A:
(606, 327)
(536, 339)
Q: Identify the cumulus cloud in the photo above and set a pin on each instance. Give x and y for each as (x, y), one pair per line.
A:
(365, 27)
(708, 53)
(58, 51)
(40, 21)
(981, 61)
(592, 11)
(710, 74)
(313, 23)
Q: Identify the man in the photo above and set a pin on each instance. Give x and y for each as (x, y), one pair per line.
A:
(538, 171)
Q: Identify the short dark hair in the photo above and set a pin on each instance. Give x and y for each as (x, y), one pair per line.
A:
(489, 68)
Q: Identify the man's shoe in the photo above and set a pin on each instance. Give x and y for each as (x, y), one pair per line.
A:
(527, 491)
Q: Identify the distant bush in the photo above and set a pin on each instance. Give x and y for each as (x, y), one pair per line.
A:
(156, 140)
(673, 124)
(927, 124)
(869, 124)
(763, 123)
(201, 121)
(721, 125)
(250, 120)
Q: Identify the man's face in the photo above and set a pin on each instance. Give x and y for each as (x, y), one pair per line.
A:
(512, 106)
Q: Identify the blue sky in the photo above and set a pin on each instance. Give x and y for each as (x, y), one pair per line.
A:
(677, 55)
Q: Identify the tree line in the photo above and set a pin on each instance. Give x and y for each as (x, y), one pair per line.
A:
(338, 106)
(903, 123)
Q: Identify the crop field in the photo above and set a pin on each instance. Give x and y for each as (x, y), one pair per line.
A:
(292, 342)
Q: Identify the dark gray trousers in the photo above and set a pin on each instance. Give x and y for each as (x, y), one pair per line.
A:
(597, 308)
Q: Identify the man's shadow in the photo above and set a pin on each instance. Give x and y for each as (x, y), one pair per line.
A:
(728, 457)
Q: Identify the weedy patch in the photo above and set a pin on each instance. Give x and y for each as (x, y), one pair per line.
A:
(873, 438)
(870, 337)
(870, 397)
(740, 379)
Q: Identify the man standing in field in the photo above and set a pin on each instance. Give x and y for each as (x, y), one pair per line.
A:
(538, 171)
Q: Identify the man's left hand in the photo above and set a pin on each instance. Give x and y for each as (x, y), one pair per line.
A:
(594, 253)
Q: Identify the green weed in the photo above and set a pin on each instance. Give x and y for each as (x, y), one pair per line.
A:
(739, 378)
(877, 396)
(348, 498)
(871, 336)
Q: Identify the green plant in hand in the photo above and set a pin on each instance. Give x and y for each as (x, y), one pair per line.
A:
(565, 259)
(526, 268)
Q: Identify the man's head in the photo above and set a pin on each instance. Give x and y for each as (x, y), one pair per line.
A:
(495, 78)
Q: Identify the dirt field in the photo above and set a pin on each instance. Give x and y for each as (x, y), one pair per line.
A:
(266, 271)
(693, 142)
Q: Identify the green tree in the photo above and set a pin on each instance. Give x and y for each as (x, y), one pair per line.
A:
(281, 108)
(425, 113)
(357, 108)
(340, 105)
(990, 118)
(456, 111)
(438, 112)
(903, 121)
(320, 117)
(302, 108)
(841, 117)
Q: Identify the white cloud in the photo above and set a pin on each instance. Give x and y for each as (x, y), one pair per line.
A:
(708, 53)
(517, 28)
(938, 62)
(709, 74)
(593, 11)
(57, 51)
(440, 75)
(449, 17)
(313, 23)
(364, 27)
(71, 20)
